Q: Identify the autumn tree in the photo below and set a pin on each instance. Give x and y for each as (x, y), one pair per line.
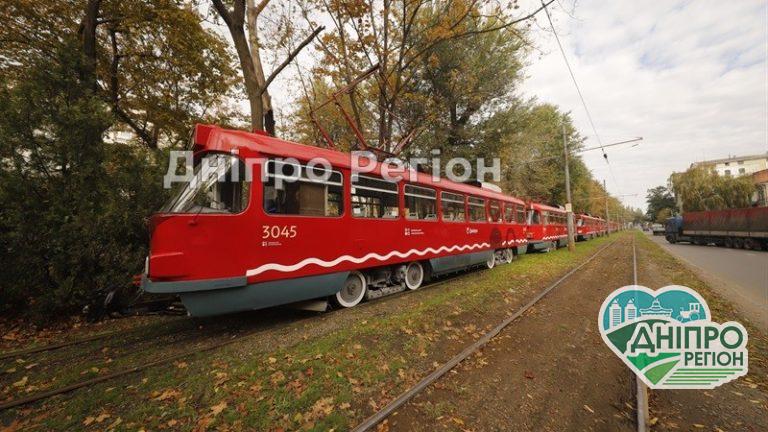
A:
(658, 199)
(154, 64)
(242, 21)
(73, 225)
(701, 188)
(402, 37)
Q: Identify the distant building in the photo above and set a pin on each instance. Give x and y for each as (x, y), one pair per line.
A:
(117, 135)
(737, 165)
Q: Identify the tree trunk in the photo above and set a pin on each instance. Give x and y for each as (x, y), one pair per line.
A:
(253, 37)
(252, 87)
(235, 21)
(88, 37)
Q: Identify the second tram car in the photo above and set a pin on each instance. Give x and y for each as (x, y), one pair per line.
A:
(547, 228)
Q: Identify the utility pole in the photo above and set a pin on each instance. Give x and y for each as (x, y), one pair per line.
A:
(568, 204)
(607, 215)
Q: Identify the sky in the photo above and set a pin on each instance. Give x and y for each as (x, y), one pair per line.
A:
(690, 77)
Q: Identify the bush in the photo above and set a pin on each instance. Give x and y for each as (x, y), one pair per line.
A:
(72, 225)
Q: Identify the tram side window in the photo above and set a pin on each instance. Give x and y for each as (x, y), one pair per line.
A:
(477, 210)
(374, 198)
(520, 214)
(420, 203)
(495, 211)
(452, 207)
(509, 212)
(290, 189)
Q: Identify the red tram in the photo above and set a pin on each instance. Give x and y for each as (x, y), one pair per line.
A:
(588, 227)
(547, 228)
(226, 244)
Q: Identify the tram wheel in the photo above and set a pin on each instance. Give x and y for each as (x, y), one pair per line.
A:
(353, 291)
(508, 255)
(414, 275)
(491, 262)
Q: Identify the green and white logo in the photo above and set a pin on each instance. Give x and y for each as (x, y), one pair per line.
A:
(668, 339)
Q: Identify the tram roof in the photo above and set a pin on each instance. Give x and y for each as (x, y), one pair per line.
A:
(216, 138)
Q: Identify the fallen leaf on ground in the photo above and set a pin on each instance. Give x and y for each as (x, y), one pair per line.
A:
(168, 394)
(217, 409)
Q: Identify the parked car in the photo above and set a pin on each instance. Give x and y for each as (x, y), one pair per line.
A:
(657, 229)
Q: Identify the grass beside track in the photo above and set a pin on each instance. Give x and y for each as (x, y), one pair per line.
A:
(323, 382)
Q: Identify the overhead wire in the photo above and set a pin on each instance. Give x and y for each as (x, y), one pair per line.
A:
(581, 95)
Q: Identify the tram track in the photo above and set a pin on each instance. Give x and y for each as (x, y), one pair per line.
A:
(379, 416)
(642, 390)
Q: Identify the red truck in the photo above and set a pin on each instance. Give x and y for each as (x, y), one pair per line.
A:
(735, 228)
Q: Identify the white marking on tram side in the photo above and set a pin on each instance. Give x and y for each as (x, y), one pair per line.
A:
(356, 260)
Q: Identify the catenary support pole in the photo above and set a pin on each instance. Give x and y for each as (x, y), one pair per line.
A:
(607, 215)
(568, 204)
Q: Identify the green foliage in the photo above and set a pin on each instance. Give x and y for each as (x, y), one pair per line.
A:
(700, 188)
(658, 199)
(159, 70)
(72, 225)
(662, 215)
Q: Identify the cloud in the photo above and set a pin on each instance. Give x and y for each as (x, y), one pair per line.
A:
(690, 77)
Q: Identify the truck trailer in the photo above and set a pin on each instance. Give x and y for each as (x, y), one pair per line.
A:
(745, 228)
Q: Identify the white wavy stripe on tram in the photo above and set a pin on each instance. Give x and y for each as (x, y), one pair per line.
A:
(322, 263)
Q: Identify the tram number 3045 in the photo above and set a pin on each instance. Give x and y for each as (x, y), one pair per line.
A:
(278, 231)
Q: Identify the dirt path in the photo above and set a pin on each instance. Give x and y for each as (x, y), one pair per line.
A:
(741, 405)
(534, 375)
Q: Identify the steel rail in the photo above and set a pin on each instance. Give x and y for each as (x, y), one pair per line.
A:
(385, 412)
(55, 346)
(642, 389)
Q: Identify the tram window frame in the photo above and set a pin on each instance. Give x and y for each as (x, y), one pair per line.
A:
(417, 194)
(479, 203)
(521, 214)
(335, 180)
(453, 198)
(510, 213)
(535, 217)
(499, 211)
(392, 193)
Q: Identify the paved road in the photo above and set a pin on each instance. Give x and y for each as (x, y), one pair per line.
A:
(739, 275)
